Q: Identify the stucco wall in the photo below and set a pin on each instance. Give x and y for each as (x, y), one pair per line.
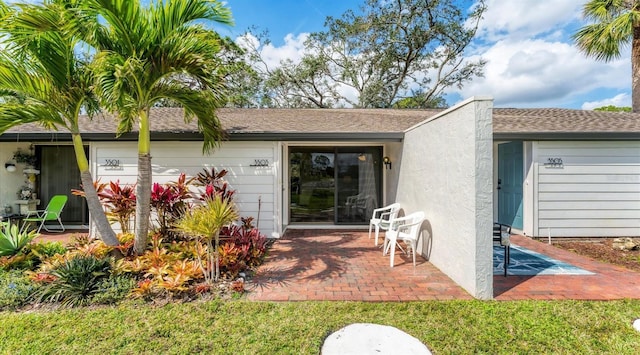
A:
(446, 171)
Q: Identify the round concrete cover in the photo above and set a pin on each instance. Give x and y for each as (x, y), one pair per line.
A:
(365, 338)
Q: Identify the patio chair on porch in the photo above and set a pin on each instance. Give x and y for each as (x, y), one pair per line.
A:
(406, 229)
(501, 234)
(51, 213)
(381, 217)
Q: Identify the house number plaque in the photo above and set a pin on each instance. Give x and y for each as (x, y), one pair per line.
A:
(553, 162)
(112, 164)
(260, 162)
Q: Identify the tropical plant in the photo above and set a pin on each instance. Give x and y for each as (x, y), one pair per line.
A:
(248, 240)
(205, 222)
(169, 202)
(75, 281)
(145, 54)
(120, 201)
(12, 240)
(43, 80)
(214, 184)
(616, 24)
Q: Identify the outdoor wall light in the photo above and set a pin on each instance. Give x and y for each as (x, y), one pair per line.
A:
(10, 167)
(387, 162)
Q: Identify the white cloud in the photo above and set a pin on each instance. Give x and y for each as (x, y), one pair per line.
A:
(525, 19)
(537, 72)
(620, 100)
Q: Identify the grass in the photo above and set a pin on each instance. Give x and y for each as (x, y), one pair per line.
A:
(242, 327)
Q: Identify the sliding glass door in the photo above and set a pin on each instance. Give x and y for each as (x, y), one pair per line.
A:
(334, 184)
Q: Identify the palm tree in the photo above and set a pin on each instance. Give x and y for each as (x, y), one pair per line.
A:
(146, 54)
(43, 81)
(616, 23)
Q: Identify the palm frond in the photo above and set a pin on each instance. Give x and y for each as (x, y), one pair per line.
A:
(612, 30)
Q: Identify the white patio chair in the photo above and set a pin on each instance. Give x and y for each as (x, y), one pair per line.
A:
(381, 217)
(406, 229)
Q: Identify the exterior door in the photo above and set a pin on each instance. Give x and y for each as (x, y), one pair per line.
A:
(58, 176)
(510, 184)
(336, 185)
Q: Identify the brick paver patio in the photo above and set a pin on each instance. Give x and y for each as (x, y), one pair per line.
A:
(345, 265)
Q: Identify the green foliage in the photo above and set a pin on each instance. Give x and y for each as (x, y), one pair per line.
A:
(12, 241)
(205, 222)
(45, 250)
(113, 289)
(383, 53)
(612, 108)
(15, 289)
(76, 281)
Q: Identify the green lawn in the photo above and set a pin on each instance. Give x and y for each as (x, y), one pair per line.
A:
(242, 327)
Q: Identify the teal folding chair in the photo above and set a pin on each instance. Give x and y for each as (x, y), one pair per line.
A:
(51, 213)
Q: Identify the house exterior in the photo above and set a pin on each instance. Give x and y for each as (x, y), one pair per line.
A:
(544, 171)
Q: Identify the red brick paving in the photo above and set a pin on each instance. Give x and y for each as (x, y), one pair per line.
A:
(345, 265)
(609, 282)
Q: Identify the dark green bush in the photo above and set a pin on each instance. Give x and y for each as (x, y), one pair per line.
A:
(15, 289)
(113, 289)
(76, 281)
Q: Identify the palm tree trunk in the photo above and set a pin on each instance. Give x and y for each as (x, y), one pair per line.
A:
(143, 187)
(635, 69)
(96, 212)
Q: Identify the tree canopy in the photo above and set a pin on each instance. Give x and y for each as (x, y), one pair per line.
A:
(388, 54)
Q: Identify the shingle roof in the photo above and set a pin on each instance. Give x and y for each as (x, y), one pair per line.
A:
(240, 123)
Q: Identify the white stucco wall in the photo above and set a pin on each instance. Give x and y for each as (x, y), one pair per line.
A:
(169, 159)
(446, 171)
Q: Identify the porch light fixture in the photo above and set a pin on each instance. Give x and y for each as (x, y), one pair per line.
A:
(10, 167)
(387, 162)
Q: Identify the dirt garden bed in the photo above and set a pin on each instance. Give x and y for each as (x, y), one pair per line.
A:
(602, 249)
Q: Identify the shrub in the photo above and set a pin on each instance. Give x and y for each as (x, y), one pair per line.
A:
(170, 203)
(15, 289)
(12, 240)
(113, 289)
(75, 281)
(45, 250)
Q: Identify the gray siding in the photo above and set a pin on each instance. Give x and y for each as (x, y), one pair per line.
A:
(594, 192)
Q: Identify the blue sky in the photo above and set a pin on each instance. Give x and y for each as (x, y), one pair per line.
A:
(531, 59)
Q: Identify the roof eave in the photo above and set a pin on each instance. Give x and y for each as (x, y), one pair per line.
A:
(194, 136)
(566, 136)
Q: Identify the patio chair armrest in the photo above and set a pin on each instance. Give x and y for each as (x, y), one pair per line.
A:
(36, 213)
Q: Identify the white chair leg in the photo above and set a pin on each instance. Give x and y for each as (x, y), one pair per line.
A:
(370, 230)
(393, 252)
(377, 234)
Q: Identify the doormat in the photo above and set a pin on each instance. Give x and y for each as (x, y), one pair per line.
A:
(525, 262)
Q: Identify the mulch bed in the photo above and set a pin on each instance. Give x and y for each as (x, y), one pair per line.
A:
(602, 249)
